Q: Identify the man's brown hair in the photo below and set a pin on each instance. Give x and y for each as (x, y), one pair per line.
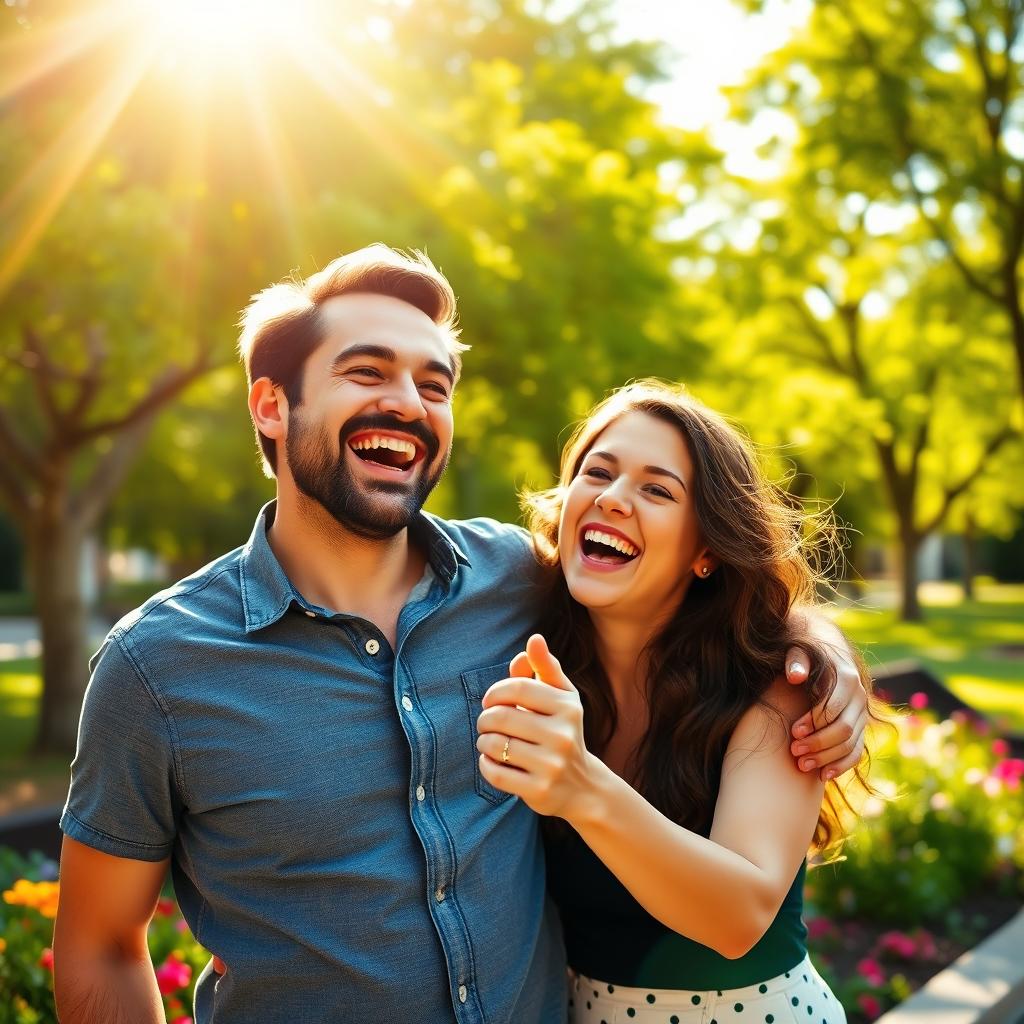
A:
(282, 324)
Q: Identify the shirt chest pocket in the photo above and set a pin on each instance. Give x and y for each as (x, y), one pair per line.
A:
(476, 684)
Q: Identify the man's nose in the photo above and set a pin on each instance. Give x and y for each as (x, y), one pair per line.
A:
(402, 398)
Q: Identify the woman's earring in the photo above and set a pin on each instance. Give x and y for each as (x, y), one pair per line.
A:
(705, 571)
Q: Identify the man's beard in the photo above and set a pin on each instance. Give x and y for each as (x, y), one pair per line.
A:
(352, 502)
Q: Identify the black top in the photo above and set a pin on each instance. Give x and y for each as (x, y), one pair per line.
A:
(611, 938)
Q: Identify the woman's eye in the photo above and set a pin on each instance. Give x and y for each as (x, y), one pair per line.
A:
(597, 473)
(658, 492)
(366, 371)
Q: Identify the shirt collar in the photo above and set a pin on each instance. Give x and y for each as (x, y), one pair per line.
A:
(267, 593)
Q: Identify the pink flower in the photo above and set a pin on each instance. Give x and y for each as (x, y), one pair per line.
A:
(46, 959)
(1000, 747)
(172, 975)
(182, 1020)
(181, 926)
(897, 943)
(959, 716)
(871, 971)
(818, 928)
(926, 948)
(919, 701)
(1011, 769)
(869, 1005)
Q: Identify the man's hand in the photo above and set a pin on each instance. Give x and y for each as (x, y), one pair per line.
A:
(830, 737)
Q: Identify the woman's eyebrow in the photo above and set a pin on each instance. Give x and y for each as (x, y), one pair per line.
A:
(653, 470)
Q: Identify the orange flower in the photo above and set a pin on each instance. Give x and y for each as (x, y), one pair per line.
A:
(41, 896)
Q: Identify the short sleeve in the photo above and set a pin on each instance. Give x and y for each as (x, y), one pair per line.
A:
(124, 799)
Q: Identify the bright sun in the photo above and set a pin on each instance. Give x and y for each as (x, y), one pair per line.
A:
(215, 34)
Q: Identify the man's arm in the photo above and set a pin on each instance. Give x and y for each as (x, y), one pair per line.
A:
(830, 737)
(102, 968)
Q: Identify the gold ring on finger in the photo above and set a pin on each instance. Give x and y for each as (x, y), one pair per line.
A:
(504, 750)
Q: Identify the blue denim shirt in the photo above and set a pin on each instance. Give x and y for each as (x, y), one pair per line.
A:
(319, 796)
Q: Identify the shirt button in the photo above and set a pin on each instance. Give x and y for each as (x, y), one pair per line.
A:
(312, 615)
(463, 993)
(421, 793)
(407, 704)
(440, 894)
(372, 646)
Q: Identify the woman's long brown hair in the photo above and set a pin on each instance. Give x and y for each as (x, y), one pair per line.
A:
(727, 642)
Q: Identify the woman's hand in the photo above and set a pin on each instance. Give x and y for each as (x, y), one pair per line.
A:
(531, 735)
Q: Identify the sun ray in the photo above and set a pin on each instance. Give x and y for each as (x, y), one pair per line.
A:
(405, 145)
(63, 161)
(285, 175)
(25, 59)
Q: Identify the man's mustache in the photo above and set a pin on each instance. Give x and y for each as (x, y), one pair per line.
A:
(381, 422)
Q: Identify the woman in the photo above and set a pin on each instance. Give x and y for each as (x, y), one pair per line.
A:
(682, 570)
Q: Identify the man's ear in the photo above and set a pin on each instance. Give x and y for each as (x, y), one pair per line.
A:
(269, 409)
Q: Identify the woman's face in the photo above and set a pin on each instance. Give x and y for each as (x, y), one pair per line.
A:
(628, 538)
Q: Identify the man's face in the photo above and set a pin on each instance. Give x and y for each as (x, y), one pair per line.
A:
(373, 432)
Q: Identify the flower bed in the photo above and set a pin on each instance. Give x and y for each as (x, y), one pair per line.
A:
(934, 863)
(30, 892)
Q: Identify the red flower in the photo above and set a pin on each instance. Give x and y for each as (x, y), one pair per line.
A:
(46, 959)
(165, 908)
(869, 1005)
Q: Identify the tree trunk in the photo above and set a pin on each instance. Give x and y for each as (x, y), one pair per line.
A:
(55, 562)
(970, 556)
(910, 606)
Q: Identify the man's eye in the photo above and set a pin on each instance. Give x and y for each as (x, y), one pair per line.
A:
(439, 389)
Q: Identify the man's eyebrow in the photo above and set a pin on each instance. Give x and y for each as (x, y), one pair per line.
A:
(652, 470)
(388, 355)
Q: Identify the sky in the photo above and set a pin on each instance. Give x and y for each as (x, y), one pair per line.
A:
(716, 43)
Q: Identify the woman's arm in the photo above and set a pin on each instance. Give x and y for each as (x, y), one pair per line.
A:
(723, 891)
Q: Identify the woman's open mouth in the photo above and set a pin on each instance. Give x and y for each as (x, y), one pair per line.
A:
(605, 549)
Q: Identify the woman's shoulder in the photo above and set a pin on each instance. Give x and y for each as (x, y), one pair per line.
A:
(767, 723)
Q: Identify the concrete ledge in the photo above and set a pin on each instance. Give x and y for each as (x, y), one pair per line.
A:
(38, 829)
(985, 986)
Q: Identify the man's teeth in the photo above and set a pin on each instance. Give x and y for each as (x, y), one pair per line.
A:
(393, 443)
(613, 542)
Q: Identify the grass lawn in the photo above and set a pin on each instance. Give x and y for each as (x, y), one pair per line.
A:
(959, 641)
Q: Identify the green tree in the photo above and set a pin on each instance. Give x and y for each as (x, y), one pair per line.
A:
(919, 103)
(913, 367)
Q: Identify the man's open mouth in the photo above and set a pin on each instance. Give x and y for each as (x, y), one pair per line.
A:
(386, 450)
(607, 548)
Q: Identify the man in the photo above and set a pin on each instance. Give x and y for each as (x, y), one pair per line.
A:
(292, 728)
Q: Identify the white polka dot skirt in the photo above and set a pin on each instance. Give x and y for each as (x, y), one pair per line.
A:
(797, 997)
